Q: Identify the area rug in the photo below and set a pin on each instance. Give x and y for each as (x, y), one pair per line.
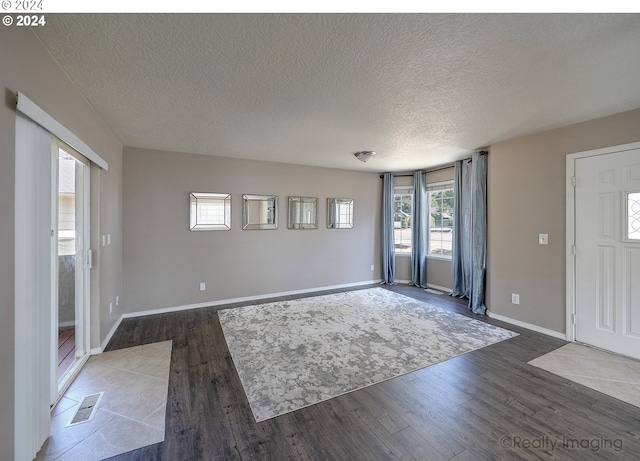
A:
(292, 354)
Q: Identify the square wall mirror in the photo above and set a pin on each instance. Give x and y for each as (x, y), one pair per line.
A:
(340, 213)
(259, 212)
(210, 211)
(303, 213)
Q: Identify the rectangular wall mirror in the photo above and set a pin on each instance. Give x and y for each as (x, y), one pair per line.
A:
(259, 212)
(303, 213)
(210, 211)
(340, 213)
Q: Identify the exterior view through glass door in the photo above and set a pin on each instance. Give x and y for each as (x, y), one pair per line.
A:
(71, 229)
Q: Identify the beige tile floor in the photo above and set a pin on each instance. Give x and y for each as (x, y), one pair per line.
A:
(605, 372)
(132, 411)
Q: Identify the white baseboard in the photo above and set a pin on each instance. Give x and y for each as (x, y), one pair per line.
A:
(220, 302)
(430, 285)
(528, 326)
(439, 288)
(99, 350)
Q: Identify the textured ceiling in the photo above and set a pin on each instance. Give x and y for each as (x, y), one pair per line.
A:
(420, 89)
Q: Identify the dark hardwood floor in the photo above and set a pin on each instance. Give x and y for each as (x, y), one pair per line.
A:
(488, 404)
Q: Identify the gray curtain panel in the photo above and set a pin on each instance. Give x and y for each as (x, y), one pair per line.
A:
(460, 271)
(419, 222)
(388, 244)
(468, 265)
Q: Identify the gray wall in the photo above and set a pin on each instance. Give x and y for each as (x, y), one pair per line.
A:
(164, 262)
(526, 196)
(27, 67)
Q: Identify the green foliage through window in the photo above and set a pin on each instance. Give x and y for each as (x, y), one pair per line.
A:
(402, 205)
(441, 222)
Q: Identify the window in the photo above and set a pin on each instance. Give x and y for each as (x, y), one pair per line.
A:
(440, 223)
(440, 200)
(402, 205)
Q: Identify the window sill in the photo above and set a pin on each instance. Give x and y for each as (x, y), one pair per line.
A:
(439, 258)
(435, 257)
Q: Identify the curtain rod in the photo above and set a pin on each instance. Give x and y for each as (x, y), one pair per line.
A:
(445, 167)
(426, 171)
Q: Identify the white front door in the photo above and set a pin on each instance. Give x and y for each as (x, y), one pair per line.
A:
(607, 261)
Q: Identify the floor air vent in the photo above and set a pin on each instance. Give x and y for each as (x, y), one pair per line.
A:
(86, 409)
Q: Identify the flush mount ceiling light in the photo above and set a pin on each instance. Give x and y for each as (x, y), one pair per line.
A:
(365, 155)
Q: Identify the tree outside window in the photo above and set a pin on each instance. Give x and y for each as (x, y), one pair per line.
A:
(441, 222)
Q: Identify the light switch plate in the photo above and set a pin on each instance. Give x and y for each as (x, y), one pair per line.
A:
(543, 239)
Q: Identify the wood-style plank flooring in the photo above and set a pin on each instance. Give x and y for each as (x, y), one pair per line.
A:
(488, 404)
(66, 349)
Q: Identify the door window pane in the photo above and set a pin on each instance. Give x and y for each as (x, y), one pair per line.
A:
(633, 216)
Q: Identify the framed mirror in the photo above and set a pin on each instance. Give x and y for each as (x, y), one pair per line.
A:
(209, 211)
(259, 212)
(303, 213)
(340, 213)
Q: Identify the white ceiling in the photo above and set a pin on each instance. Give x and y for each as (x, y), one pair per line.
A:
(420, 89)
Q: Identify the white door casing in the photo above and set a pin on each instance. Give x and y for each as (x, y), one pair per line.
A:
(603, 259)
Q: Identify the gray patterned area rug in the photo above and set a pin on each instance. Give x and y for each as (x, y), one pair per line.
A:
(293, 354)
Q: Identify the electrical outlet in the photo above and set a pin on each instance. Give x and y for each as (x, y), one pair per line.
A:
(203, 286)
(515, 298)
(372, 267)
(110, 308)
(117, 300)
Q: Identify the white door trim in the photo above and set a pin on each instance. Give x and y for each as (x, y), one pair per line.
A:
(571, 228)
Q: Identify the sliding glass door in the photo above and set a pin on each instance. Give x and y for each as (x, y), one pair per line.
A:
(72, 262)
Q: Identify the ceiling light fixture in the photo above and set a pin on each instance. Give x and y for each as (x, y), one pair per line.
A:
(365, 155)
